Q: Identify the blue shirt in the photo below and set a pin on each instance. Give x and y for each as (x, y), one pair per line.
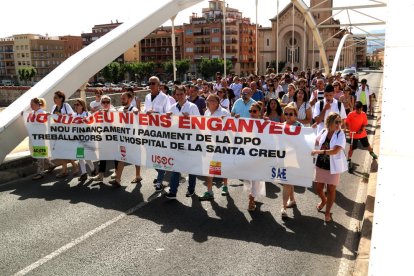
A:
(242, 108)
(258, 95)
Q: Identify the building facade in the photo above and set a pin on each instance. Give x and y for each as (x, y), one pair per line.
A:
(290, 40)
(44, 53)
(203, 38)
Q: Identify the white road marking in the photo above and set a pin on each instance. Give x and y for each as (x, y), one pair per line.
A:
(77, 241)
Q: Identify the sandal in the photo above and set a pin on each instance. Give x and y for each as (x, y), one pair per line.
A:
(137, 179)
(115, 183)
(320, 206)
(329, 220)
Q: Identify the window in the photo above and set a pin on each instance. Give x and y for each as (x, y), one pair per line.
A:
(267, 42)
(215, 30)
(215, 39)
(189, 32)
(189, 50)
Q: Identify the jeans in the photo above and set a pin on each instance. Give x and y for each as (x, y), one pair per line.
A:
(160, 175)
(175, 182)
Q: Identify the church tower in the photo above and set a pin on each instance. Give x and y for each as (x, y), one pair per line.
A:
(321, 16)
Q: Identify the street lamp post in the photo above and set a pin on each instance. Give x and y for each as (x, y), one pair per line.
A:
(224, 40)
(173, 46)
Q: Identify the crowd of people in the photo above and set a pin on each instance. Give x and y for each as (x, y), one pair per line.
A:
(334, 106)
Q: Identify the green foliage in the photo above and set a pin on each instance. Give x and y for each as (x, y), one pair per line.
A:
(182, 67)
(209, 67)
(112, 72)
(26, 73)
(282, 64)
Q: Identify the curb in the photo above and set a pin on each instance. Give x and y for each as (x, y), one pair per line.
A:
(362, 261)
(17, 166)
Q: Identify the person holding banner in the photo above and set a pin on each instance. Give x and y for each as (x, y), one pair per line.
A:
(330, 162)
(291, 115)
(215, 110)
(38, 105)
(254, 186)
(82, 112)
(127, 106)
(156, 102)
(182, 107)
(60, 107)
(106, 107)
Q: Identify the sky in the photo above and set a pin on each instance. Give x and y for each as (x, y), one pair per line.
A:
(71, 18)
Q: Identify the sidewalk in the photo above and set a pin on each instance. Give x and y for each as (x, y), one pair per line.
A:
(362, 262)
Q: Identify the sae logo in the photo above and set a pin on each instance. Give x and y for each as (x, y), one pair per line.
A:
(279, 174)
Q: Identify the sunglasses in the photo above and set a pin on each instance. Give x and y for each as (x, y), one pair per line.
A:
(152, 83)
(338, 122)
(105, 102)
(289, 114)
(253, 111)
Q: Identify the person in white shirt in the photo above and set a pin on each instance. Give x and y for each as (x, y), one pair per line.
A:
(156, 101)
(318, 93)
(215, 110)
(363, 95)
(236, 86)
(329, 105)
(96, 104)
(184, 108)
(127, 106)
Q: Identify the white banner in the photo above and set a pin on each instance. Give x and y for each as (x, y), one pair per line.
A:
(211, 146)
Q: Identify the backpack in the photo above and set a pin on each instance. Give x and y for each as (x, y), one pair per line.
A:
(321, 103)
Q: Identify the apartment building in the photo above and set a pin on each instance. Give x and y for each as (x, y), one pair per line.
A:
(44, 53)
(203, 38)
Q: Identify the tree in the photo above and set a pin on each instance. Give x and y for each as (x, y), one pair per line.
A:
(281, 65)
(182, 67)
(26, 73)
(209, 67)
(112, 72)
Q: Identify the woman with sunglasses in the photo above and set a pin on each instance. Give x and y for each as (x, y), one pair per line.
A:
(347, 100)
(215, 110)
(81, 111)
(106, 107)
(330, 162)
(254, 186)
(61, 107)
(288, 198)
(224, 102)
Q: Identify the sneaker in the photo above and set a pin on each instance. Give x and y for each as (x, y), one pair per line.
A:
(189, 193)
(283, 213)
(224, 190)
(171, 196)
(159, 187)
(113, 176)
(154, 181)
(373, 155)
(206, 196)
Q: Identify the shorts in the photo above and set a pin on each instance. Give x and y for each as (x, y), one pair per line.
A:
(364, 142)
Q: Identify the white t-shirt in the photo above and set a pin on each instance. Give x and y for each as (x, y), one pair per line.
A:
(220, 112)
(334, 108)
(95, 105)
(188, 107)
(237, 87)
(225, 103)
(160, 104)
